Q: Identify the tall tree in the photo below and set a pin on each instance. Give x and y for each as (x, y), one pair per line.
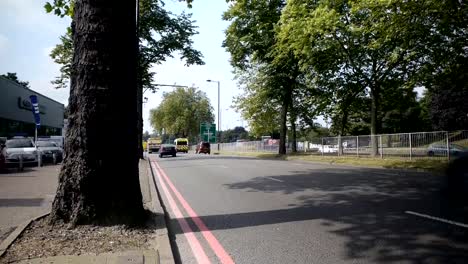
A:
(367, 46)
(92, 189)
(13, 77)
(251, 41)
(160, 34)
(181, 112)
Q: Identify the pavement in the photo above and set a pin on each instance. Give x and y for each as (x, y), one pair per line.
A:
(224, 209)
(25, 194)
(28, 194)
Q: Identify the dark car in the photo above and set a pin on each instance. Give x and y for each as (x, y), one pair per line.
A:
(50, 151)
(457, 178)
(167, 150)
(203, 147)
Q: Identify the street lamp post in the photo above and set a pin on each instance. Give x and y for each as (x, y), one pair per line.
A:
(219, 109)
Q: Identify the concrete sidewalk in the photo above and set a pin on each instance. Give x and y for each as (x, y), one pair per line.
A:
(25, 194)
(28, 194)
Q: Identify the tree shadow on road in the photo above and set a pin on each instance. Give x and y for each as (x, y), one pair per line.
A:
(366, 208)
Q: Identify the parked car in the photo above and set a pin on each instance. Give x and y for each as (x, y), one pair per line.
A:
(2, 158)
(440, 149)
(167, 150)
(50, 151)
(203, 147)
(17, 149)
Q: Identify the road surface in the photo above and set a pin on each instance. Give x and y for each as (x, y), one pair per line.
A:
(245, 210)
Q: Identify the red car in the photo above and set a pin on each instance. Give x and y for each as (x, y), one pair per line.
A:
(203, 147)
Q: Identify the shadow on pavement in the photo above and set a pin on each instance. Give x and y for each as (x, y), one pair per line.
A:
(367, 208)
(21, 202)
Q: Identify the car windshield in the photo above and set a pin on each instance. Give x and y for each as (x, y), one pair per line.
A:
(205, 144)
(45, 144)
(182, 143)
(19, 143)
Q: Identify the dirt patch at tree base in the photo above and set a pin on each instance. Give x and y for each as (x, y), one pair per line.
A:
(40, 240)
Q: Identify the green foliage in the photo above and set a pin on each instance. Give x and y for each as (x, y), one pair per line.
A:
(358, 49)
(13, 77)
(232, 135)
(62, 54)
(60, 8)
(181, 112)
(161, 33)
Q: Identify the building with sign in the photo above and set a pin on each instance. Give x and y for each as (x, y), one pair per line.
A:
(16, 116)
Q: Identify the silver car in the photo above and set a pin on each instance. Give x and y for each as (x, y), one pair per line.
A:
(440, 149)
(50, 151)
(18, 150)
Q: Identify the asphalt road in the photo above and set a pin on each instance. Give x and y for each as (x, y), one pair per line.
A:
(270, 211)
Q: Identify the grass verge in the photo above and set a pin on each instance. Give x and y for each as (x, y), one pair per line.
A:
(394, 163)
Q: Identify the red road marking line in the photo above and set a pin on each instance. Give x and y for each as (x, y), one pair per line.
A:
(197, 249)
(210, 238)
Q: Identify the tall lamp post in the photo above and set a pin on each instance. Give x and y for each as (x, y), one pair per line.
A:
(219, 110)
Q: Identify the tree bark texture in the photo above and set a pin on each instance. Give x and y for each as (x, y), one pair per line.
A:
(294, 132)
(373, 128)
(283, 125)
(98, 182)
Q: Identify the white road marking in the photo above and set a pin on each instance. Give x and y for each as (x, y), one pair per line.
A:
(224, 166)
(437, 219)
(273, 179)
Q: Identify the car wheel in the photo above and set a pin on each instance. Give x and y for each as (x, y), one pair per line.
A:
(149, 152)
(160, 156)
(430, 153)
(175, 155)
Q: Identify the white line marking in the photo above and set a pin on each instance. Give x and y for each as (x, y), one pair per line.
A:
(224, 166)
(437, 219)
(273, 179)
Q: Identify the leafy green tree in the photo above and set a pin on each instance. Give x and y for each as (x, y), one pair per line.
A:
(365, 46)
(13, 77)
(159, 34)
(447, 99)
(181, 112)
(251, 40)
(232, 135)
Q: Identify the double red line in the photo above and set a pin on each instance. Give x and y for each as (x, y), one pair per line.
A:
(195, 245)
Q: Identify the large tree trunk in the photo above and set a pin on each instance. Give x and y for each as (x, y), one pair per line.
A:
(98, 182)
(139, 93)
(374, 110)
(294, 132)
(283, 126)
(343, 123)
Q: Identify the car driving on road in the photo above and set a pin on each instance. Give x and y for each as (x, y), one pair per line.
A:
(167, 150)
(18, 150)
(203, 147)
(50, 151)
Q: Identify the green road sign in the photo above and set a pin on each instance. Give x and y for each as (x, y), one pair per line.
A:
(208, 132)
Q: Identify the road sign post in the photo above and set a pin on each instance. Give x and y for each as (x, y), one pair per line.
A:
(208, 132)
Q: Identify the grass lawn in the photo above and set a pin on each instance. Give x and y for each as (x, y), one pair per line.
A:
(432, 164)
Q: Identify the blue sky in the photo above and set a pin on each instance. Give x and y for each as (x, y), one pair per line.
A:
(27, 35)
